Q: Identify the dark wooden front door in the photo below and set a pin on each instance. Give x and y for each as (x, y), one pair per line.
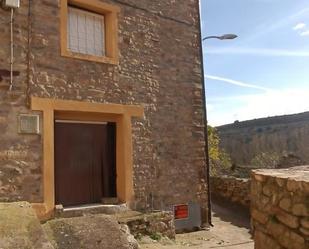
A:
(84, 163)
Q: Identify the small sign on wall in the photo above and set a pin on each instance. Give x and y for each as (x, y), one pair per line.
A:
(187, 216)
(181, 211)
(29, 124)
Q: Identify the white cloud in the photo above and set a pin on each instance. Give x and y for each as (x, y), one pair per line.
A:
(305, 33)
(299, 26)
(258, 51)
(235, 82)
(270, 103)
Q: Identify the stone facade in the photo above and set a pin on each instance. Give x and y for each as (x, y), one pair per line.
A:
(159, 68)
(233, 189)
(280, 208)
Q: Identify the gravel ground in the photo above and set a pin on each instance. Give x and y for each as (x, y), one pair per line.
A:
(231, 230)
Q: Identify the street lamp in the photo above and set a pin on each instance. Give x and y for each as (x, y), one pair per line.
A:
(222, 37)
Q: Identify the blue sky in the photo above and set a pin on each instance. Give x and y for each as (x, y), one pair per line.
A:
(264, 72)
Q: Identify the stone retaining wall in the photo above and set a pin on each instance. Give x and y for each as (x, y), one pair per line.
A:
(233, 189)
(151, 224)
(280, 208)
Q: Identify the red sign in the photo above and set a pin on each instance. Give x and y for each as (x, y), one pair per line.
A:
(181, 212)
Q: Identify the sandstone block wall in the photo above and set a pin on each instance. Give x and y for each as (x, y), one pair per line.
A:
(20, 155)
(280, 208)
(159, 68)
(233, 189)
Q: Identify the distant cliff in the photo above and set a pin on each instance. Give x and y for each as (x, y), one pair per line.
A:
(284, 135)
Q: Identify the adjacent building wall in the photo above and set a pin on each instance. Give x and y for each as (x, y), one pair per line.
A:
(159, 69)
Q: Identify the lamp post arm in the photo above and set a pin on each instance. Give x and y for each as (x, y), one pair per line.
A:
(211, 37)
(222, 37)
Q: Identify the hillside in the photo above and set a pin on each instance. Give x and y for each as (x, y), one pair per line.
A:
(284, 135)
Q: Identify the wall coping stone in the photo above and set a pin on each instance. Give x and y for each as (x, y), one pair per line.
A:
(300, 173)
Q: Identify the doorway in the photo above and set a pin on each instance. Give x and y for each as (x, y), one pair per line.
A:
(85, 162)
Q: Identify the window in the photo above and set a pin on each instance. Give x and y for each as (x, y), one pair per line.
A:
(89, 30)
(85, 32)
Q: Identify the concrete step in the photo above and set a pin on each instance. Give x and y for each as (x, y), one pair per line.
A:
(83, 210)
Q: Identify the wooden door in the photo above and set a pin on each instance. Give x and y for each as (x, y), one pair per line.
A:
(82, 160)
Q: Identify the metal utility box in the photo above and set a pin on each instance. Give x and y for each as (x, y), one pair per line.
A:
(187, 216)
(29, 124)
(12, 3)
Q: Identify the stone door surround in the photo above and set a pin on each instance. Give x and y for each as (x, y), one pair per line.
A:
(86, 111)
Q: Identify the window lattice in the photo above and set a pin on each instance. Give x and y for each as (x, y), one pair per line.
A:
(86, 32)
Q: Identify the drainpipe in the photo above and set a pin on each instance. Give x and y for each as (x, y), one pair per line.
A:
(12, 49)
(207, 178)
(29, 52)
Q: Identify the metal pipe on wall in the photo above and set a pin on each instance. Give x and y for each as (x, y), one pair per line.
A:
(207, 166)
(12, 49)
(29, 53)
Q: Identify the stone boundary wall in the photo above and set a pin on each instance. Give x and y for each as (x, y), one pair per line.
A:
(280, 208)
(151, 224)
(233, 189)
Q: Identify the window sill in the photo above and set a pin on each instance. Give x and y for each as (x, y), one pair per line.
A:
(93, 58)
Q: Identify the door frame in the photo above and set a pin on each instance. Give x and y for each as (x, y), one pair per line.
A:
(53, 109)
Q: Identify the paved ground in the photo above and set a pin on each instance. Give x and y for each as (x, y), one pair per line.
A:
(231, 231)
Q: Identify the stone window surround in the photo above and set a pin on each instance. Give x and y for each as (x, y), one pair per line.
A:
(86, 37)
(110, 13)
(84, 111)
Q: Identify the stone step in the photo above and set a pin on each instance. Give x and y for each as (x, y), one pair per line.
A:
(83, 210)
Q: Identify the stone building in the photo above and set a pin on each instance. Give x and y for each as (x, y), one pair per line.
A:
(104, 102)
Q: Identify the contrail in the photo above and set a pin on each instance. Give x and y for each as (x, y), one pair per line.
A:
(236, 82)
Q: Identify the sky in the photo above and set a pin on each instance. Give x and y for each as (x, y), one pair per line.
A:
(265, 71)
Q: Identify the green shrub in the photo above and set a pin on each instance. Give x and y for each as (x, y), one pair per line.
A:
(220, 161)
